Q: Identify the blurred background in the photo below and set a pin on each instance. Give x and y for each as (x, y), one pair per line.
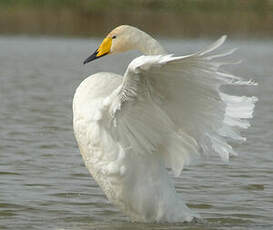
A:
(175, 18)
(43, 181)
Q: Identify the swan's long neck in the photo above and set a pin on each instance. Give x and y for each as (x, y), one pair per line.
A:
(148, 45)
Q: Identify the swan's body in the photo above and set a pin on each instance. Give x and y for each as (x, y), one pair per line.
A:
(162, 113)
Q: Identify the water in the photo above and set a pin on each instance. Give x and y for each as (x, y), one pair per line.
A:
(43, 181)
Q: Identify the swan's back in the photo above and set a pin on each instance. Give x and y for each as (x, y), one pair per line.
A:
(97, 86)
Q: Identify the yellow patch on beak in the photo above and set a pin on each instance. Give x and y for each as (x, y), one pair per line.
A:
(105, 47)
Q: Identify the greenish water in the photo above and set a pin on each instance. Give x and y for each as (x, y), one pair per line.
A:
(43, 181)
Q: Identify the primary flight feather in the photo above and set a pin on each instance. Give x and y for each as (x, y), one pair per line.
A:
(164, 112)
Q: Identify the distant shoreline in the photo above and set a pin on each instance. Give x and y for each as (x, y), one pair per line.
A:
(93, 20)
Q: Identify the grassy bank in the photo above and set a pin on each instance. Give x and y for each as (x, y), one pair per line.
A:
(176, 18)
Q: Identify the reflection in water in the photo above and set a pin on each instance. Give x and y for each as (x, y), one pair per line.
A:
(44, 183)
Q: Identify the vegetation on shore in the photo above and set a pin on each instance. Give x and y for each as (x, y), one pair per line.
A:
(189, 18)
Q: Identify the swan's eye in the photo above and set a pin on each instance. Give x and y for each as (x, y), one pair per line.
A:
(114, 37)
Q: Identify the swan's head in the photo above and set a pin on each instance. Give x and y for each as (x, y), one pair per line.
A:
(124, 38)
(120, 39)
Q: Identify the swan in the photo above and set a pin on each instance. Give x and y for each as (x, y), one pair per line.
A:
(162, 114)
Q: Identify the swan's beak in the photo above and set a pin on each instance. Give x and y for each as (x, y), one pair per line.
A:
(104, 49)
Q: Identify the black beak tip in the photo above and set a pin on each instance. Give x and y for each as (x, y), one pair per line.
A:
(91, 58)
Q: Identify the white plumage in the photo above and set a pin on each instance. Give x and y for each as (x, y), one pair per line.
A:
(164, 112)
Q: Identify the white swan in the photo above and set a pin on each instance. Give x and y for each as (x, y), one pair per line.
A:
(161, 114)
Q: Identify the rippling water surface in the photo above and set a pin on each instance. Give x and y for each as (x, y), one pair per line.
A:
(43, 181)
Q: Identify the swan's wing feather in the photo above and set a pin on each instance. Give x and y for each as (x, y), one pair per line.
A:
(174, 106)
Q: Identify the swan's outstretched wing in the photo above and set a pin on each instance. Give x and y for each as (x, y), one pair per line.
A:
(174, 106)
